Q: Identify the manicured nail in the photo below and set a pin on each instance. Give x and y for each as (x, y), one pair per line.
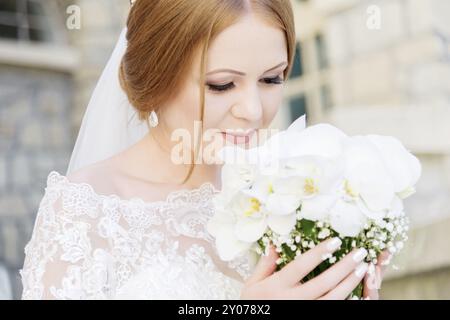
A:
(361, 269)
(360, 255)
(334, 244)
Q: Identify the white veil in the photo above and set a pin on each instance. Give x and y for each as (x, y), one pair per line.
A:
(110, 124)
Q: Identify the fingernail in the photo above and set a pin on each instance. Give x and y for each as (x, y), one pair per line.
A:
(361, 270)
(334, 244)
(360, 255)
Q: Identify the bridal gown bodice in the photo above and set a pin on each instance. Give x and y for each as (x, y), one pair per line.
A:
(90, 246)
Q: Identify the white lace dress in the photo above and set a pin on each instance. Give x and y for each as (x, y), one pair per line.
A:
(90, 246)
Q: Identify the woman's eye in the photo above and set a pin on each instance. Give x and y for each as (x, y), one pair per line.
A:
(229, 86)
(274, 80)
(224, 87)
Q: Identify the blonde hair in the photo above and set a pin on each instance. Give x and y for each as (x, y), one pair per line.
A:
(164, 35)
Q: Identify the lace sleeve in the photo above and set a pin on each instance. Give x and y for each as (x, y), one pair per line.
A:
(65, 259)
(87, 245)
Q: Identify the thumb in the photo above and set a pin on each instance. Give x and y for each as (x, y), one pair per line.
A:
(265, 266)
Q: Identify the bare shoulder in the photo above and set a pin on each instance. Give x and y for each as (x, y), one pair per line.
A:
(100, 175)
(122, 175)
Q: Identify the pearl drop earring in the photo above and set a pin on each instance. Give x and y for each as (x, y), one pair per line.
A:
(153, 119)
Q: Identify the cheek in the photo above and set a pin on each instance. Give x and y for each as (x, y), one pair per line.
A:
(271, 101)
(184, 110)
(217, 107)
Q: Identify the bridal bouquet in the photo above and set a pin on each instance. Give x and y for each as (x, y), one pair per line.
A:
(305, 185)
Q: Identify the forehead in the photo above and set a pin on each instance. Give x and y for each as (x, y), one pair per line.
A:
(250, 45)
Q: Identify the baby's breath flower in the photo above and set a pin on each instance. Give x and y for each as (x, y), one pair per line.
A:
(326, 256)
(381, 223)
(332, 260)
(324, 233)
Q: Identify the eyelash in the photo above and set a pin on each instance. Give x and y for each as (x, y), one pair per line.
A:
(229, 86)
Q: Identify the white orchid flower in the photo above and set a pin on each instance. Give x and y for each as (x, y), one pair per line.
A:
(222, 228)
(347, 219)
(236, 177)
(245, 219)
(397, 208)
(366, 176)
(310, 181)
(319, 140)
(345, 181)
(262, 194)
(404, 168)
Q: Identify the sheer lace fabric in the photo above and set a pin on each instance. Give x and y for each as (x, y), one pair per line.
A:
(91, 246)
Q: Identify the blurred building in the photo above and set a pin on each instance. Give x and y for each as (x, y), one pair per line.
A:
(48, 69)
(383, 67)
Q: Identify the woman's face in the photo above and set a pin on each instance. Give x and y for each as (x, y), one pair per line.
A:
(243, 84)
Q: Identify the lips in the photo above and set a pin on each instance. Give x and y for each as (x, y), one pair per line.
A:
(238, 136)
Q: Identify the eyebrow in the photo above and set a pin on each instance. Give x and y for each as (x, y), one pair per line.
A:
(242, 73)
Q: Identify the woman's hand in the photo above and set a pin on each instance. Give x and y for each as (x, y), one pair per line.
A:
(372, 283)
(337, 282)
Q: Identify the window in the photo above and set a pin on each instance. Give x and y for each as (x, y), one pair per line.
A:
(297, 107)
(322, 61)
(325, 97)
(24, 20)
(297, 68)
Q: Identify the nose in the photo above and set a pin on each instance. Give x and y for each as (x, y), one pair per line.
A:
(249, 107)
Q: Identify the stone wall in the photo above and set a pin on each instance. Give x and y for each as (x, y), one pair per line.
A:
(41, 107)
(35, 138)
(375, 75)
(394, 81)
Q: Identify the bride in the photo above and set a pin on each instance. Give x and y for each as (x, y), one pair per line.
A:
(127, 221)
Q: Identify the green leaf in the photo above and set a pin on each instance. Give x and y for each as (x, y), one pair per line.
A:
(308, 227)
